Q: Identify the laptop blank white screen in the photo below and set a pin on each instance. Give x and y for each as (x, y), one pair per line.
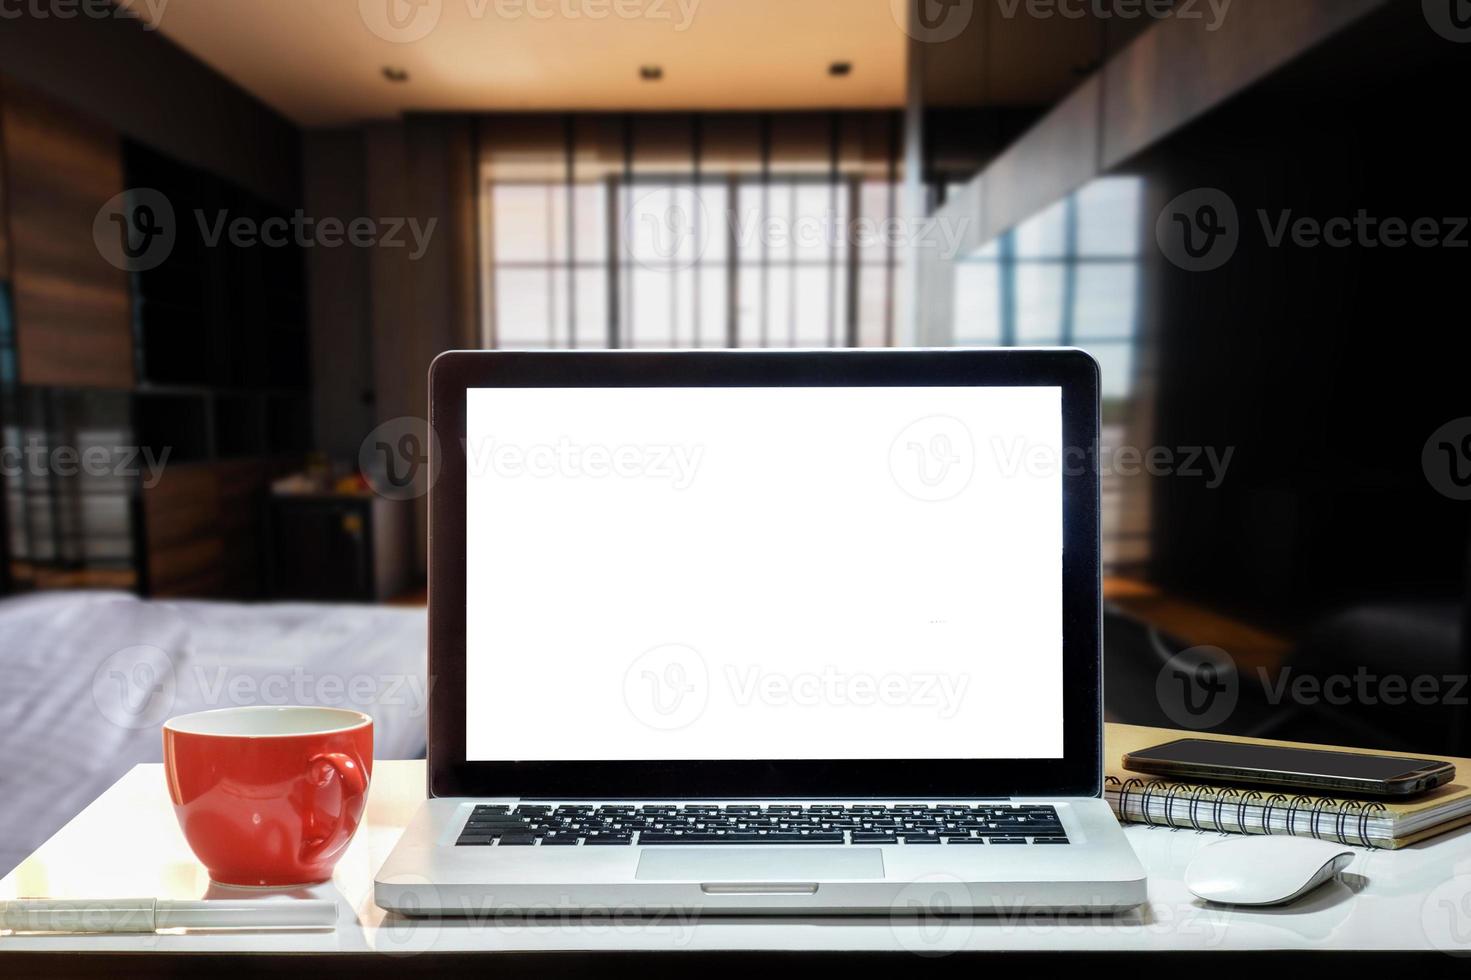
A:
(763, 573)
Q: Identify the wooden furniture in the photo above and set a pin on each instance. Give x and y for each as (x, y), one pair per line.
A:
(204, 528)
(333, 546)
(201, 360)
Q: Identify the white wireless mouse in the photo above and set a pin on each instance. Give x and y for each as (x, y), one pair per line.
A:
(1263, 870)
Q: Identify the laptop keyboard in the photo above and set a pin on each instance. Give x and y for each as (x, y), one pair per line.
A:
(548, 825)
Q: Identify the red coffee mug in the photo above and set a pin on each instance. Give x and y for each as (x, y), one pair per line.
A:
(269, 796)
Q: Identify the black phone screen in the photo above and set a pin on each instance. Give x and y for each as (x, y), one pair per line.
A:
(1271, 758)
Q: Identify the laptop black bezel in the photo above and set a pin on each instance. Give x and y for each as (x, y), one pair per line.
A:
(1077, 773)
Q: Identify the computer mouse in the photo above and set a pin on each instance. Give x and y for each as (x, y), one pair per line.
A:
(1263, 870)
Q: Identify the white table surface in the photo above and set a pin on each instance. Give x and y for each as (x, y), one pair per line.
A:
(128, 844)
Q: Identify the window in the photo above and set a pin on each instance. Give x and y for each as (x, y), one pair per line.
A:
(69, 512)
(718, 231)
(1070, 276)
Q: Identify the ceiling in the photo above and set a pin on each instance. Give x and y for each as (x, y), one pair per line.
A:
(321, 62)
(1012, 61)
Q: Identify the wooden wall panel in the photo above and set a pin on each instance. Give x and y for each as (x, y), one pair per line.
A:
(73, 314)
(4, 213)
(244, 485)
(205, 527)
(184, 543)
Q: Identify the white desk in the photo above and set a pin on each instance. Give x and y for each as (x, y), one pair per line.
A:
(127, 843)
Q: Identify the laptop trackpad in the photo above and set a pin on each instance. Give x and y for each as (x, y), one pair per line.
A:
(781, 862)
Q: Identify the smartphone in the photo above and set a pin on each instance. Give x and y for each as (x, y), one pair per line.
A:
(1272, 766)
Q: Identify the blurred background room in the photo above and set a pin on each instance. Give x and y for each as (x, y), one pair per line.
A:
(234, 235)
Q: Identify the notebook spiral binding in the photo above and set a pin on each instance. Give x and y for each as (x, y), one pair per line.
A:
(1211, 808)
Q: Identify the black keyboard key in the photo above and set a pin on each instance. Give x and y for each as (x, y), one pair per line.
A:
(569, 824)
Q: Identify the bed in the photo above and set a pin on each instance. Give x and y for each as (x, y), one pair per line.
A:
(88, 677)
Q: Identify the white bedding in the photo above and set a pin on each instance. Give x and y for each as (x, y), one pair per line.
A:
(88, 677)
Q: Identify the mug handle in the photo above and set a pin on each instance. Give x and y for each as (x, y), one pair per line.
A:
(354, 783)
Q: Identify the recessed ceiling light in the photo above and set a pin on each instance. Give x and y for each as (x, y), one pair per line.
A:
(395, 74)
(840, 69)
(650, 73)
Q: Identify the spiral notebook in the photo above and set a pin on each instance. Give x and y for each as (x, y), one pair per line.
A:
(1141, 798)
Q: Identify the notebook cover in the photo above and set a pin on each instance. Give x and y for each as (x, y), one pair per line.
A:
(1119, 740)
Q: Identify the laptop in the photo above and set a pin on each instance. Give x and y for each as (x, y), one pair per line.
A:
(763, 632)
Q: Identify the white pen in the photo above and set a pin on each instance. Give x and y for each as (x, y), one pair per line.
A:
(153, 914)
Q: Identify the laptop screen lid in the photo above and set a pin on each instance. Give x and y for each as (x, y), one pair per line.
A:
(764, 574)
